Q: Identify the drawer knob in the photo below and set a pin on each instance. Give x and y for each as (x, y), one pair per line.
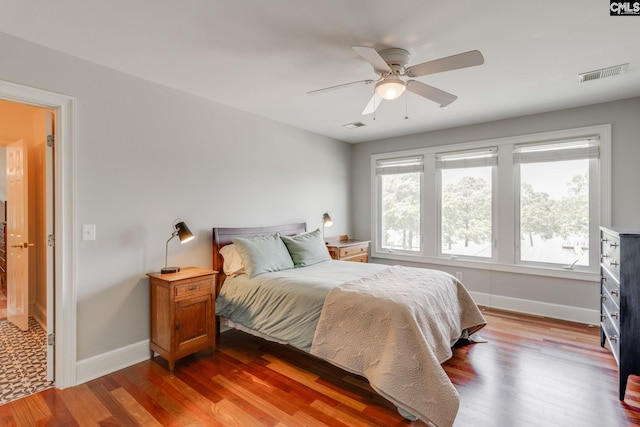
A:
(615, 315)
(613, 338)
(602, 316)
(613, 245)
(604, 278)
(604, 240)
(615, 292)
(603, 256)
(194, 288)
(603, 297)
(614, 263)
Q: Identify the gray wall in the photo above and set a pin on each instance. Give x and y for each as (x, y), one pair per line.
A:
(503, 287)
(146, 155)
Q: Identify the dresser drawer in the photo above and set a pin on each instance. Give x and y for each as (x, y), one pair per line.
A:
(611, 310)
(610, 285)
(354, 250)
(190, 288)
(610, 253)
(612, 335)
(357, 258)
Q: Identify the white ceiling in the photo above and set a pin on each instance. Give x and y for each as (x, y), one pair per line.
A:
(264, 56)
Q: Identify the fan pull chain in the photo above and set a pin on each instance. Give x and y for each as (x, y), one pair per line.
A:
(406, 106)
(375, 107)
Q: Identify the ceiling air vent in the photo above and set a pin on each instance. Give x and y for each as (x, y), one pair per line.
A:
(602, 73)
(354, 125)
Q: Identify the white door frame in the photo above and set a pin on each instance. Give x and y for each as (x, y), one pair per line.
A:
(65, 309)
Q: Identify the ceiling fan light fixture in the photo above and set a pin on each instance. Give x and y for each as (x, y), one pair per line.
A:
(390, 88)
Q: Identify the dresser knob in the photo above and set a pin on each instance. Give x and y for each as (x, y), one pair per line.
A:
(603, 297)
(604, 240)
(613, 263)
(615, 315)
(602, 316)
(613, 338)
(614, 245)
(615, 292)
(603, 256)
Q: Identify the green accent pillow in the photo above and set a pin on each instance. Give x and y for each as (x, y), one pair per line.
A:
(263, 254)
(307, 248)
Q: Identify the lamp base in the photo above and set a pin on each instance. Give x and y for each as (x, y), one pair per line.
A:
(168, 270)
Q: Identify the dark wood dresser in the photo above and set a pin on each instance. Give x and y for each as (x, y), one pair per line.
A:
(620, 299)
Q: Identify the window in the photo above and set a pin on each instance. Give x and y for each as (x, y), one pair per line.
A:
(400, 193)
(528, 203)
(466, 220)
(555, 219)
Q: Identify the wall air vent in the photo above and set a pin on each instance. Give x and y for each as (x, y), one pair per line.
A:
(602, 73)
(354, 125)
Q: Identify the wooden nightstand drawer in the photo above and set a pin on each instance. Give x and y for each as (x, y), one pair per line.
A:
(350, 251)
(357, 258)
(193, 287)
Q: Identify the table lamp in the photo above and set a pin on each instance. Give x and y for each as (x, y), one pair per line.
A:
(184, 234)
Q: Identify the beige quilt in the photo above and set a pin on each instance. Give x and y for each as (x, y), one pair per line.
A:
(395, 328)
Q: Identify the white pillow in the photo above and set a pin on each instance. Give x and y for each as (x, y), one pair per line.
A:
(232, 265)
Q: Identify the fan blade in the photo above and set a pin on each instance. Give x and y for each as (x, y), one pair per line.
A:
(461, 60)
(436, 95)
(330, 88)
(373, 104)
(370, 55)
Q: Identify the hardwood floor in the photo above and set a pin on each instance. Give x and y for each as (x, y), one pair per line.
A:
(532, 372)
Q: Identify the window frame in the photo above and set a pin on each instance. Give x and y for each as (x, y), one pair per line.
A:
(438, 188)
(504, 251)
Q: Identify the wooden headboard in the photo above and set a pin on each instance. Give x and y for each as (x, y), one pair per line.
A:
(223, 236)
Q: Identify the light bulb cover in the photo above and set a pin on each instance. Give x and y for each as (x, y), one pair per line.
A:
(390, 88)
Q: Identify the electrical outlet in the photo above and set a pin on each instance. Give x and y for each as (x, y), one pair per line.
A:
(459, 275)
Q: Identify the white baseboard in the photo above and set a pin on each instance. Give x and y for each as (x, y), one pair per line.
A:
(106, 363)
(556, 311)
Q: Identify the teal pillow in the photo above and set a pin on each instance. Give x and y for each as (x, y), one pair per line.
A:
(307, 249)
(263, 254)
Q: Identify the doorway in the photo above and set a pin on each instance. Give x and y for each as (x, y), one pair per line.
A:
(26, 176)
(61, 259)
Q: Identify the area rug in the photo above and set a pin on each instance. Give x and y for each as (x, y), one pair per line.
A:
(23, 361)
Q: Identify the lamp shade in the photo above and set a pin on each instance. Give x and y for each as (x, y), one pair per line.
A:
(326, 220)
(184, 234)
(390, 88)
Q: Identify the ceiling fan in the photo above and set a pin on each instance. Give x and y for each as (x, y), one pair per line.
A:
(391, 65)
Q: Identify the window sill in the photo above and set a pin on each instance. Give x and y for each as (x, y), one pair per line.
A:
(558, 272)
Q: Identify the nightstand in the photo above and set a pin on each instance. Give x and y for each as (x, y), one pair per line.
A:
(182, 313)
(345, 249)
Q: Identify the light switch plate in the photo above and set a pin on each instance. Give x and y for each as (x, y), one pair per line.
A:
(88, 232)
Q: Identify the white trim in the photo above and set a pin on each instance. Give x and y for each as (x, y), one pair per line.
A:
(111, 361)
(65, 219)
(555, 311)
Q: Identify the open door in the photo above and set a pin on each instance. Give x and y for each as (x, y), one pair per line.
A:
(17, 236)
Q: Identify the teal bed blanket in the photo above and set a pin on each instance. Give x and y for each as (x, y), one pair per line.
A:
(285, 305)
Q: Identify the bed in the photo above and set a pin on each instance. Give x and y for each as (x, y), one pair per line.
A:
(392, 325)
